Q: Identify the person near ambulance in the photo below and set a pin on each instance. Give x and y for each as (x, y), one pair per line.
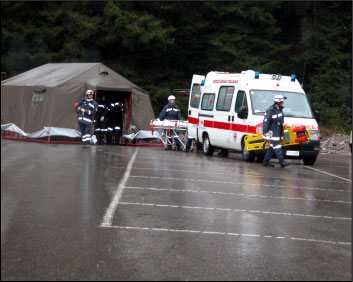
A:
(87, 107)
(272, 130)
(188, 145)
(171, 111)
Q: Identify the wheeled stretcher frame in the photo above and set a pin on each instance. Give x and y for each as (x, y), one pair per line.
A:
(170, 128)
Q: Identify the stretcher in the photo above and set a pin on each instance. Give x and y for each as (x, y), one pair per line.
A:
(290, 136)
(172, 128)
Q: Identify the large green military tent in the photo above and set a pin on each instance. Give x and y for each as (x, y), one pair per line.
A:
(45, 96)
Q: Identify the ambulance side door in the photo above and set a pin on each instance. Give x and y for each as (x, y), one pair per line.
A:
(206, 116)
(194, 105)
(240, 122)
(222, 117)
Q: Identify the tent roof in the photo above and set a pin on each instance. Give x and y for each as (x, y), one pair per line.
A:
(96, 75)
(69, 81)
(49, 75)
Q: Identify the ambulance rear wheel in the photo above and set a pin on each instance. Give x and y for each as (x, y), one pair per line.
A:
(207, 148)
(248, 156)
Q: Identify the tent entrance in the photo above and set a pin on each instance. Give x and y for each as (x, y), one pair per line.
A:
(108, 97)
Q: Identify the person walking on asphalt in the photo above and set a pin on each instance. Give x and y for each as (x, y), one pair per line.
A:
(87, 107)
(171, 111)
(272, 130)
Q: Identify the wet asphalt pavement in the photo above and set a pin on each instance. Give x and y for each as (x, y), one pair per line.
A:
(142, 213)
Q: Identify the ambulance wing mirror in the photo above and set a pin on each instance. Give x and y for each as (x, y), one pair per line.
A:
(243, 112)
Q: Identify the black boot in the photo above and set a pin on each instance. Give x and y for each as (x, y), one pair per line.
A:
(268, 165)
(284, 164)
(223, 153)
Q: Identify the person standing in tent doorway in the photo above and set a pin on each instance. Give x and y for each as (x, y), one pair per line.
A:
(115, 122)
(87, 107)
(99, 125)
(171, 111)
(118, 126)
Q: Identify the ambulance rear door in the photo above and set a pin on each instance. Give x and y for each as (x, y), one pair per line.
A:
(194, 104)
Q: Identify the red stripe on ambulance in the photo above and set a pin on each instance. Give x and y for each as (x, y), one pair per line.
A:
(193, 120)
(225, 125)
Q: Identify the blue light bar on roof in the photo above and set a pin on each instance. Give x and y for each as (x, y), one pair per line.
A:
(257, 75)
(202, 82)
(293, 77)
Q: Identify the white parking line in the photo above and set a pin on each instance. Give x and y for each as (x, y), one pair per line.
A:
(228, 234)
(232, 172)
(234, 194)
(238, 183)
(234, 210)
(328, 173)
(219, 164)
(108, 217)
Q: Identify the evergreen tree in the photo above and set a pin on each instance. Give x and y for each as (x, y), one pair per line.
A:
(160, 45)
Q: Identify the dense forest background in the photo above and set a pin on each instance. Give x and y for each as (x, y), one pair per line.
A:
(160, 45)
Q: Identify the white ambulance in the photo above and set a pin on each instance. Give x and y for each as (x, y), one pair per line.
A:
(224, 107)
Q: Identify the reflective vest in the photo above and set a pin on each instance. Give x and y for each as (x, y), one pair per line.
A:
(91, 106)
(273, 121)
(170, 112)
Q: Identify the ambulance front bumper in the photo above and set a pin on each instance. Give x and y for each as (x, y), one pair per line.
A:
(311, 149)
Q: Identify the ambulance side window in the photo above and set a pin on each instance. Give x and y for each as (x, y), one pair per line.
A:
(225, 97)
(195, 96)
(207, 102)
(241, 100)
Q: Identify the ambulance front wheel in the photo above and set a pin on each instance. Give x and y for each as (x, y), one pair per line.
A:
(208, 149)
(260, 158)
(248, 156)
(309, 160)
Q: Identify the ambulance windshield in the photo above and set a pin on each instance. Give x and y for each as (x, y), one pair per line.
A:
(296, 104)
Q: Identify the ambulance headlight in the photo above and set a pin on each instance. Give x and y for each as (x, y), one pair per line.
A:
(315, 135)
(259, 129)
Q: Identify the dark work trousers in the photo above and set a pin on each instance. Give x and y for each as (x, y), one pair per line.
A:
(109, 134)
(99, 131)
(85, 132)
(176, 138)
(275, 147)
(189, 143)
(116, 134)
